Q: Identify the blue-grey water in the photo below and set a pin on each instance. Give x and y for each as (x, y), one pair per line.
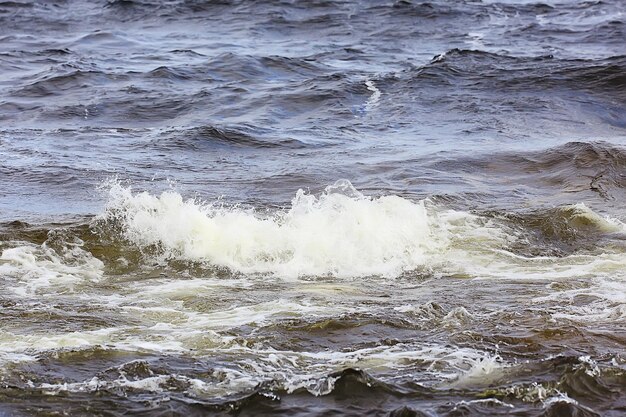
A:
(385, 208)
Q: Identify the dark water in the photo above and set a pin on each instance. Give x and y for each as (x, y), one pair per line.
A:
(313, 208)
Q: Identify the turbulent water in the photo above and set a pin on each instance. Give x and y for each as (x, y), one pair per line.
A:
(313, 208)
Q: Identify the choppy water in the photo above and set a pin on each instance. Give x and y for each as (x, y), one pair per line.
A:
(313, 208)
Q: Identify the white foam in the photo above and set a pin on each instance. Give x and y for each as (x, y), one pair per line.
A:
(340, 233)
(343, 233)
(37, 267)
(486, 401)
(484, 370)
(607, 295)
(19, 343)
(561, 397)
(313, 371)
(374, 99)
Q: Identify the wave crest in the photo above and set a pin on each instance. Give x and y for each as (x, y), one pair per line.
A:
(339, 233)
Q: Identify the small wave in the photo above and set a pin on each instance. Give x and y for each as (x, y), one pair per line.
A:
(243, 68)
(425, 10)
(433, 315)
(202, 136)
(595, 168)
(317, 373)
(482, 69)
(165, 72)
(131, 3)
(563, 230)
(57, 81)
(38, 267)
(104, 39)
(562, 405)
(565, 378)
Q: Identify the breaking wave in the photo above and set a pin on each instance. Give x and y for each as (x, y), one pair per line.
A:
(343, 233)
(340, 233)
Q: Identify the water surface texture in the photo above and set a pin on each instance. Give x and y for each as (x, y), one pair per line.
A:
(313, 208)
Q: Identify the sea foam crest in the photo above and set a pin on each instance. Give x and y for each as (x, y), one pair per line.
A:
(340, 232)
(41, 268)
(343, 233)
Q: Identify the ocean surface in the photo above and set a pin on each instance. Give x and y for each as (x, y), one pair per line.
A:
(313, 208)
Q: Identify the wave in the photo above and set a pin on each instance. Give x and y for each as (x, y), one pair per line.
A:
(36, 267)
(289, 372)
(270, 87)
(566, 229)
(591, 168)
(561, 379)
(343, 233)
(60, 81)
(338, 233)
(241, 136)
(143, 383)
(15, 4)
(476, 69)
(244, 68)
